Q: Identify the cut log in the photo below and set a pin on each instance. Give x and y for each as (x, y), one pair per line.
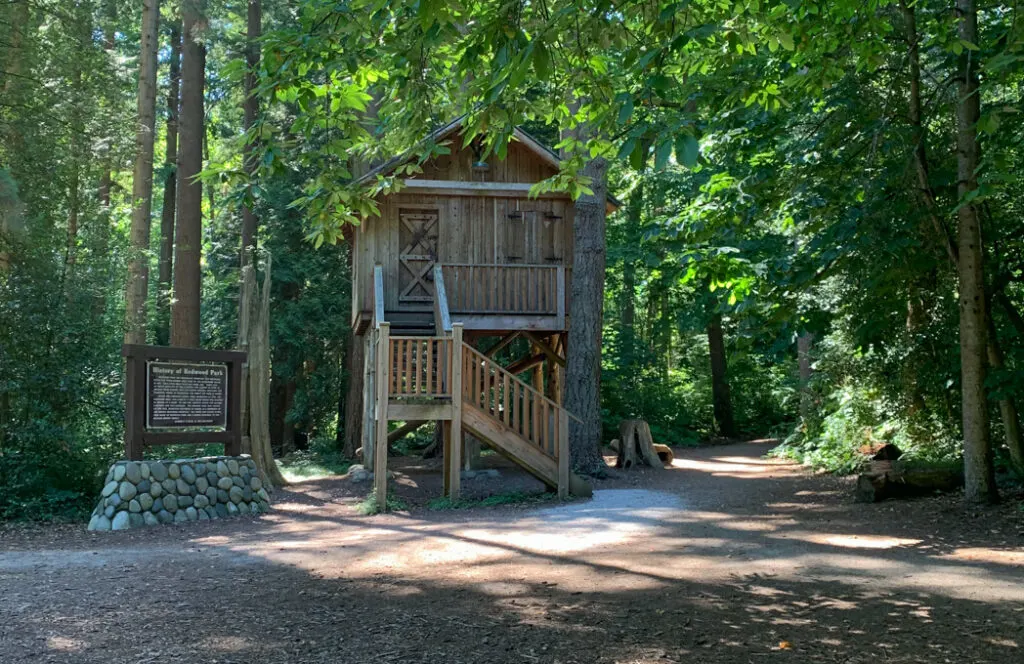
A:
(664, 453)
(636, 446)
(902, 482)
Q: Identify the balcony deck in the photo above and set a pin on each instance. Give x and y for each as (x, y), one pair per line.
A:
(490, 297)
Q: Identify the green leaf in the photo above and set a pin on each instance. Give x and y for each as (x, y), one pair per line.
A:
(541, 60)
(687, 150)
(626, 110)
(662, 154)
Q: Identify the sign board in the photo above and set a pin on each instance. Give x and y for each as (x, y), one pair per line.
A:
(182, 395)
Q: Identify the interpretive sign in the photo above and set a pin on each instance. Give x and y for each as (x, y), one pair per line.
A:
(182, 395)
(185, 395)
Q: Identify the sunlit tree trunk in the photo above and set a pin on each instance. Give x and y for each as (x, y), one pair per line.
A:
(142, 179)
(166, 260)
(188, 232)
(979, 473)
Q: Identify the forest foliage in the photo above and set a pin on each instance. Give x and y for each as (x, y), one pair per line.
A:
(791, 172)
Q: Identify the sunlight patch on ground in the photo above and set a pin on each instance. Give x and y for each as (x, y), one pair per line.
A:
(64, 644)
(979, 555)
(740, 467)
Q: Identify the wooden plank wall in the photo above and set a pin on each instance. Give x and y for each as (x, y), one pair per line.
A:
(520, 165)
(473, 229)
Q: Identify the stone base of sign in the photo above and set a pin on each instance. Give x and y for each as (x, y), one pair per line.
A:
(150, 493)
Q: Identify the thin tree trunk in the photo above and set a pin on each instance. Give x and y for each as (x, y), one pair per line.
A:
(250, 110)
(188, 236)
(979, 473)
(163, 328)
(1007, 407)
(627, 299)
(259, 377)
(107, 178)
(720, 397)
(142, 179)
(583, 360)
(804, 344)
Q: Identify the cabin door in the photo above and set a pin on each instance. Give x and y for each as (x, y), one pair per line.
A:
(417, 237)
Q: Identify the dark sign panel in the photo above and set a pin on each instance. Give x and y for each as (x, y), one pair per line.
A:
(186, 395)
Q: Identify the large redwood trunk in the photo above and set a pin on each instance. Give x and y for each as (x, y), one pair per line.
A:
(142, 180)
(188, 236)
(166, 261)
(583, 359)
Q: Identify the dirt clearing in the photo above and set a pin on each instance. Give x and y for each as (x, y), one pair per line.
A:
(726, 557)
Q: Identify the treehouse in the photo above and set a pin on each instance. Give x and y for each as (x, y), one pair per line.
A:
(460, 264)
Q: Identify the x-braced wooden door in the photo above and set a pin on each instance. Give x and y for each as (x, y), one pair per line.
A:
(417, 236)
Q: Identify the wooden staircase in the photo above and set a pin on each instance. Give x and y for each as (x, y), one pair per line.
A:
(440, 377)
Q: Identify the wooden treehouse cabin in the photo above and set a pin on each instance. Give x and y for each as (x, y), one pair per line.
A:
(461, 267)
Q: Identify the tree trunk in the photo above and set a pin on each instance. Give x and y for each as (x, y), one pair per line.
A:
(720, 397)
(627, 299)
(1007, 406)
(979, 473)
(142, 180)
(259, 376)
(354, 401)
(106, 178)
(804, 344)
(188, 236)
(163, 298)
(250, 109)
(583, 360)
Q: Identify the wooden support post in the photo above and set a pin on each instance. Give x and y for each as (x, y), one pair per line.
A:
(453, 451)
(380, 452)
(563, 454)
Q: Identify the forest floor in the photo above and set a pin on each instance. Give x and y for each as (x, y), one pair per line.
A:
(725, 557)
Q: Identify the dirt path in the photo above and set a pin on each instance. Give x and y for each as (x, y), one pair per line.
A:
(724, 558)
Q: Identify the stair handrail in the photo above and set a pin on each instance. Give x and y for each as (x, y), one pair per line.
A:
(561, 448)
(378, 295)
(442, 317)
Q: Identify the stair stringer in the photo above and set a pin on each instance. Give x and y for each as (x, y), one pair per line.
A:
(510, 445)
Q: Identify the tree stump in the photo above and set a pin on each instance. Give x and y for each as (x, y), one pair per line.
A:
(636, 445)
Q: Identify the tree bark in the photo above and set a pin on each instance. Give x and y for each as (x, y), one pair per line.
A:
(804, 344)
(627, 299)
(354, 400)
(979, 472)
(1007, 406)
(142, 179)
(166, 261)
(583, 359)
(720, 396)
(250, 110)
(188, 238)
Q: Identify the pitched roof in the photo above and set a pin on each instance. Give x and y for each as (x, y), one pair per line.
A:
(529, 142)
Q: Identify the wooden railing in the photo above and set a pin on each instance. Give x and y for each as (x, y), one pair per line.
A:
(419, 367)
(524, 410)
(505, 289)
